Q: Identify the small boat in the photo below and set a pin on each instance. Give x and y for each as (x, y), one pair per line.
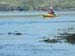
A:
(49, 15)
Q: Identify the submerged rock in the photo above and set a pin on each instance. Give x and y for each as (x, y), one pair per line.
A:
(69, 38)
(17, 33)
(47, 40)
(50, 40)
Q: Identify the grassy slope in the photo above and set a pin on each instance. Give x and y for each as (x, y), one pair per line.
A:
(38, 3)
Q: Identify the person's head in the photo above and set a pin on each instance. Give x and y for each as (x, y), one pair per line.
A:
(51, 7)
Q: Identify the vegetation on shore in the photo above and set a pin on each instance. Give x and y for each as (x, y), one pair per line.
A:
(6, 5)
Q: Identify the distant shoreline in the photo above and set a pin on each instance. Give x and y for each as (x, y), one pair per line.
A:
(42, 10)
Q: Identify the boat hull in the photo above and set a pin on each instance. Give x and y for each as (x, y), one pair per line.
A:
(49, 15)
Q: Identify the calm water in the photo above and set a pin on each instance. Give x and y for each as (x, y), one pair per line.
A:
(33, 29)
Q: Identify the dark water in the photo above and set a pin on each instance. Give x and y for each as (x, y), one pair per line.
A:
(33, 27)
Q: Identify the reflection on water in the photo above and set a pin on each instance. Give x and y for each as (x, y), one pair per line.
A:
(20, 36)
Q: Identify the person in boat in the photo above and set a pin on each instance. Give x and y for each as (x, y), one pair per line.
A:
(51, 11)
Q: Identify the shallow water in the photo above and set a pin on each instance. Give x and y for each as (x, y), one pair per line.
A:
(33, 29)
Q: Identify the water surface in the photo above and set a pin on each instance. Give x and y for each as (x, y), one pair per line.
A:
(34, 27)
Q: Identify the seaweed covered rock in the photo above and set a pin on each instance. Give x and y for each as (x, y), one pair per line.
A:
(50, 40)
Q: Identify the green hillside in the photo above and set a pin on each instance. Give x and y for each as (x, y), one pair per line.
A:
(38, 4)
